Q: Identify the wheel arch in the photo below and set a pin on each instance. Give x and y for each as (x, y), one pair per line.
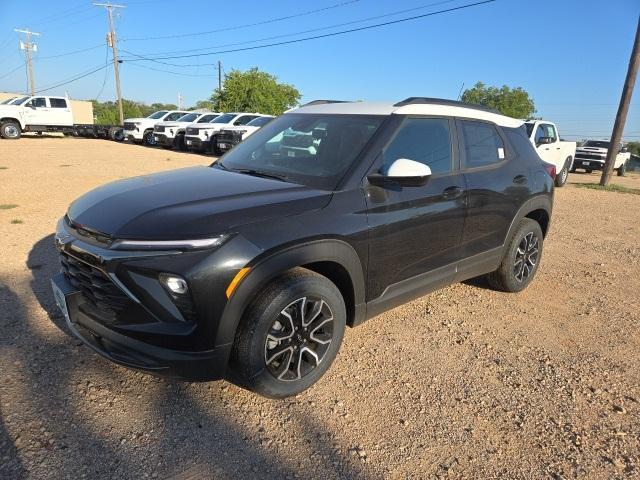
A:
(335, 259)
(537, 208)
(12, 119)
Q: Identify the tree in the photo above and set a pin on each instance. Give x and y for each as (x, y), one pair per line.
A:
(512, 102)
(106, 113)
(634, 148)
(204, 105)
(254, 91)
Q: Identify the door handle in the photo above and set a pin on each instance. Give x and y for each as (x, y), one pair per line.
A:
(451, 193)
(519, 179)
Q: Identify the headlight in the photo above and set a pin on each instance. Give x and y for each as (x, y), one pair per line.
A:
(194, 244)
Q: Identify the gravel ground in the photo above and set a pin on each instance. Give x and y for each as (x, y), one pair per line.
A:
(462, 383)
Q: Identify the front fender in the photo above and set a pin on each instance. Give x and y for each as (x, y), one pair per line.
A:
(271, 264)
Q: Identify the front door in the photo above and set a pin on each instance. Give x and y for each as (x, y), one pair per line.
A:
(549, 152)
(417, 229)
(38, 112)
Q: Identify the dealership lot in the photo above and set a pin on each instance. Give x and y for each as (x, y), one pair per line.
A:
(465, 382)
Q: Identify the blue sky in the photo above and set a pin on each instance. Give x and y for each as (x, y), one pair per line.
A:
(570, 55)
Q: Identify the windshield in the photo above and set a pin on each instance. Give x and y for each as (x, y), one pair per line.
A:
(313, 150)
(157, 115)
(8, 101)
(596, 143)
(207, 118)
(259, 122)
(529, 128)
(20, 101)
(224, 118)
(189, 117)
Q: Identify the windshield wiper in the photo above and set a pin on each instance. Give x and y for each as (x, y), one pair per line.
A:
(260, 173)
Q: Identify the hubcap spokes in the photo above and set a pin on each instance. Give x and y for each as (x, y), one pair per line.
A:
(526, 257)
(299, 338)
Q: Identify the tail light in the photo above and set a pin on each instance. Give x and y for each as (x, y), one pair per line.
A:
(551, 170)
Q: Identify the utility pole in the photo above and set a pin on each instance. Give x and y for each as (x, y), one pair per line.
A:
(29, 47)
(220, 83)
(623, 110)
(179, 101)
(113, 43)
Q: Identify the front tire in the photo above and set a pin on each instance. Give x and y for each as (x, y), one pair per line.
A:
(521, 258)
(10, 130)
(148, 139)
(289, 335)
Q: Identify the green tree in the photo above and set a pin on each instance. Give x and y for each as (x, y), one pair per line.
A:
(634, 147)
(106, 113)
(254, 91)
(513, 102)
(204, 105)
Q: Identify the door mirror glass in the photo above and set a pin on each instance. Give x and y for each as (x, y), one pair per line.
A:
(545, 140)
(403, 171)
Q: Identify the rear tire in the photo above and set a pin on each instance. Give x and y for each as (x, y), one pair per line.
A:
(10, 130)
(588, 170)
(275, 353)
(563, 175)
(521, 258)
(180, 145)
(622, 170)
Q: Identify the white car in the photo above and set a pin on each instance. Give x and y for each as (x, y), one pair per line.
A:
(229, 137)
(171, 134)
(592, 155)
(35, 114)
(544, 137)
(141, 129)
(198, 138)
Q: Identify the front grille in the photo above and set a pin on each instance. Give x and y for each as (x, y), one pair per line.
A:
(96, 287)
(192, 131)
(158, 128)
(588, 156)
(129, 126)
(229, 136)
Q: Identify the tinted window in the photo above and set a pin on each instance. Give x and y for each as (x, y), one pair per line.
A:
(425, 140)
(173, 116)
(519, 140)
(596, 143)
(224, 118)
(545, 130)
(189, 117)
(314, 150)
(58, 103)
(259, 122)
(158, 115)
(244, 119)
(38, 102)
(482, 144)
(206, 118)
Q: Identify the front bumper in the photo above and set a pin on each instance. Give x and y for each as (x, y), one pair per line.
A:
(136, 354)
(163, 140)
(133, 135)
(588, 164)
(196, 143)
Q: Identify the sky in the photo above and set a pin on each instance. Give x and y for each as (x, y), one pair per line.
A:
(570, 55)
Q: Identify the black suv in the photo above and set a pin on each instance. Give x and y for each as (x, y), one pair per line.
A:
(251, 268)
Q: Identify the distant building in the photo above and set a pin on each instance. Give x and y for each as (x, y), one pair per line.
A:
(82, 109)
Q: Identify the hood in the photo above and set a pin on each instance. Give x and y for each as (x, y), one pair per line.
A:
(214, 126)
(242, 128)
(132, 120)
(168, 124)
(593, 149)
(189, 203)
(10, 109)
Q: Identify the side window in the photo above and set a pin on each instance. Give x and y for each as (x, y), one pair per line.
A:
(38, 102)
(58, 103)
(482, 144)
(425, 140)
(174, 116)
(540, 132)
(244, 120)
(551, 131)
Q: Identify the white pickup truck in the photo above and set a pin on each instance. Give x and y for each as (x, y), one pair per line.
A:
(141, 129)
(593, 153)
(229, 137)
(544, 137)
(198, 138)
(40, 114)
(171, 134)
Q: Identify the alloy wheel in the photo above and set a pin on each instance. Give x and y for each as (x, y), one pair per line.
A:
(526, 257)
(10, 131)
(299, 338)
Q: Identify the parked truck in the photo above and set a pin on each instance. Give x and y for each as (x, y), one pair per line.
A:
(199, 138)
(593, 153)
(171, 134)
(141, 129)
(47, 114)
(544, 137)
(229, 137)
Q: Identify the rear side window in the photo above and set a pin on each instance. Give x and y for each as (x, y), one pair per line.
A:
(482, 144)
(545, 130)
(58, 103)
(424, 140)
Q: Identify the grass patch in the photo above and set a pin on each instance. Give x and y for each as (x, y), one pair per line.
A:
(609, 188)
(16, 221)
(7, 206)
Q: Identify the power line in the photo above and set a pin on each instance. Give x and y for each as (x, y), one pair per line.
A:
(74, 79)
(302, 32)
(237, 27)
(104, 80)
(70, 53)
(315, 37)
(169, 71)
(14, 70)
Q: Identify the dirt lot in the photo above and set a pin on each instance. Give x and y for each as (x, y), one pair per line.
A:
(464, 383)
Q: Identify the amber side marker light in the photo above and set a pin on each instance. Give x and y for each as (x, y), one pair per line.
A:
(236, 280)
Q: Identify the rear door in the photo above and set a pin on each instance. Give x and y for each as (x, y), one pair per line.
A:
(60, 112)
(415, 230)
(497, 184)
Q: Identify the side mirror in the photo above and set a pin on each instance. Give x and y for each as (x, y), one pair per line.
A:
(545, 140)
(403, 171)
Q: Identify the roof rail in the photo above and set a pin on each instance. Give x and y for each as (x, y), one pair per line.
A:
(322, 102)
(443, 101)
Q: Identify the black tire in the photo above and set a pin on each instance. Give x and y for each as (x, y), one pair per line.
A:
(563, 174)
(10, 130)
(573, 169)
(622, 170)
(588, 170)
(517, 270)
(180, 145)
(215, 150)
(148, 139)
(118, 135)
(167, 147)
(255, 363)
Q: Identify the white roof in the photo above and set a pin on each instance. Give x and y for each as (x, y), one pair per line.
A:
(388, 108)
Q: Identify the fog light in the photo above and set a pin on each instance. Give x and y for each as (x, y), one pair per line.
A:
(174, 283)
